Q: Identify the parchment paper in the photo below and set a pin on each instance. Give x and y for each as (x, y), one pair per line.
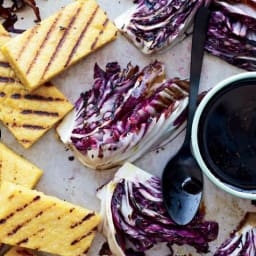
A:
(73, 182)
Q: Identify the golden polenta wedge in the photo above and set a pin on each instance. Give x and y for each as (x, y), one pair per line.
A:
(59, 41)
(16, 169)
(33, 220)
(17, 251)
(4, 36)
(28, 115)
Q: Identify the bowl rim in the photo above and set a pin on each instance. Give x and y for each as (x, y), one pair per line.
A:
(194, 137)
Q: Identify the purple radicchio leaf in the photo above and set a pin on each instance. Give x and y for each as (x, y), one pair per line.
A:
(155, 25)
(232, 32)
(145, 228)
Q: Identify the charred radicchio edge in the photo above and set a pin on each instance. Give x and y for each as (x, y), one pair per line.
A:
(154, 25)
(232, 32)
(242, 242)
(127, 113)
(135, 219)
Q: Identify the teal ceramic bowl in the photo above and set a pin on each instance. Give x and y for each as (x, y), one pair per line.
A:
(224, 135)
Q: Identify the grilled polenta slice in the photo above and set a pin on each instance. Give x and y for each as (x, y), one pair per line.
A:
(33, 220)
(16, 169)
(17, 251)
(28, 115)
(59, 41)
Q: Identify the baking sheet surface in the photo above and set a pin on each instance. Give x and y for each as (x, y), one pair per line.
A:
(73, 182)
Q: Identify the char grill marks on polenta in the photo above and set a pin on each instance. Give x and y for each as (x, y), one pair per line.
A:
(28, 115)
(17, 251)
(59, 41)
(33, 220)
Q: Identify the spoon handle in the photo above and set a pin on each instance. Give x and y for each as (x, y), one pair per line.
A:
(197, 53)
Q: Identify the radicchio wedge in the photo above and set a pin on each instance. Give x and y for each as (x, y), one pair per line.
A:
(135, 219)
(127, 113)
(243, 241)
(155, 25)
(232, 32)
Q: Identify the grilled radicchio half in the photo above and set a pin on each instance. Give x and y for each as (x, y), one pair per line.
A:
(135, 220)
(242, 242)
(154, 25)
(126, 113)
(232, 32)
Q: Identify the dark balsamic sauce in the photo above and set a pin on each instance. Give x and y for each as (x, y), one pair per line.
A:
(105, 250)
(71, 158)
(227, 135)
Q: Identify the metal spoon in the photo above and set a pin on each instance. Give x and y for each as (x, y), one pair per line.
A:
(182, 180)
